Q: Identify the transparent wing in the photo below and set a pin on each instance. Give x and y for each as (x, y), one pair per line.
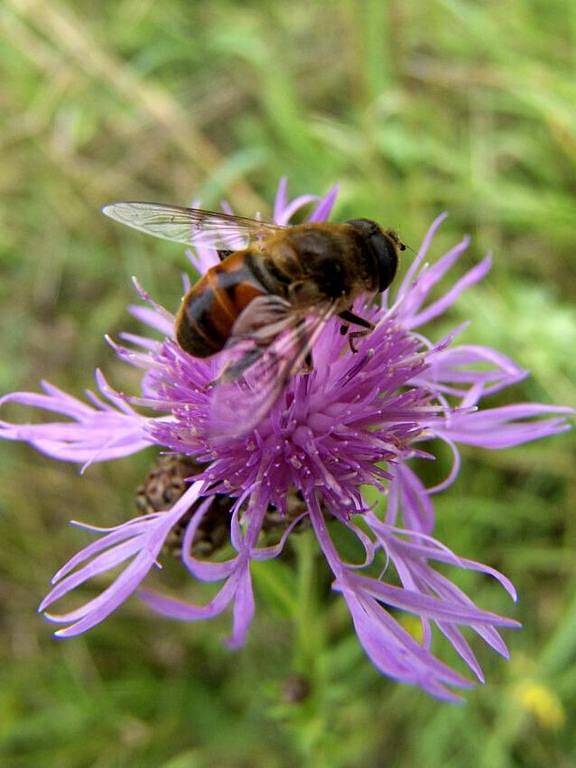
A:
(270, 344)
(191, 226)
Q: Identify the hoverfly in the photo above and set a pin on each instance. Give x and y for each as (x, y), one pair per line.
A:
(267, 300)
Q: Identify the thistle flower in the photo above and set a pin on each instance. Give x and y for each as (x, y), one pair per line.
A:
(356, 420)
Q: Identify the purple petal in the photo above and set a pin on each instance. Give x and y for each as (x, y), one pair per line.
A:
(144, 546)
(413, 545)
(152, 319)
(395, 652)
(284, 210)
(115, 536)
(268, 553)
(454, 470)
(415, 504)
(429, 276)
(407, 283)
(160, 313)
(203, 257)
(243, 609)
(97, 434)
(324, 207)
(106, 561)
(237, 588)
(424, 605)
(150, 345)
(462, 648)
(99, 608)
(392, 650)
(281, 199)
(202, 569)
(469, 364)
(178, 609)
(502, 427)
(438, 307)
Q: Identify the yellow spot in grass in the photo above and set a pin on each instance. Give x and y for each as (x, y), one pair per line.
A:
(542, 703)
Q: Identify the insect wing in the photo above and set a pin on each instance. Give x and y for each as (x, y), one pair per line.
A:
(191, 226)
(259, 362)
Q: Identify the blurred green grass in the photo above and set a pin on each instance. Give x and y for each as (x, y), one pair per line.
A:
(414, 108)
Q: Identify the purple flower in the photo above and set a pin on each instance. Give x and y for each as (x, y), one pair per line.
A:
(356, 420)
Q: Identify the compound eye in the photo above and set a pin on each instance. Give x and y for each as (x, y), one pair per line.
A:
(387, 257)
(367, 227)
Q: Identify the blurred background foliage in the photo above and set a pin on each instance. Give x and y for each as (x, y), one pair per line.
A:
(463, 105)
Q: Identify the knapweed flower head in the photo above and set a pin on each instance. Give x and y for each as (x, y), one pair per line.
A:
(356, 420)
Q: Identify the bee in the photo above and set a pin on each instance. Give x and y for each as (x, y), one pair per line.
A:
(269, 298)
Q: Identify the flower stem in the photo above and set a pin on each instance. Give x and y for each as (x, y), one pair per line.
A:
(307, 635)
(310, 722)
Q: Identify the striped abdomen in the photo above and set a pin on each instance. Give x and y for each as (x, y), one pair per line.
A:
(212, 306)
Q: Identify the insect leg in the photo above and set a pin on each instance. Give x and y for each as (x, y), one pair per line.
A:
(235, 369)
(303, 343)
(353, 319)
